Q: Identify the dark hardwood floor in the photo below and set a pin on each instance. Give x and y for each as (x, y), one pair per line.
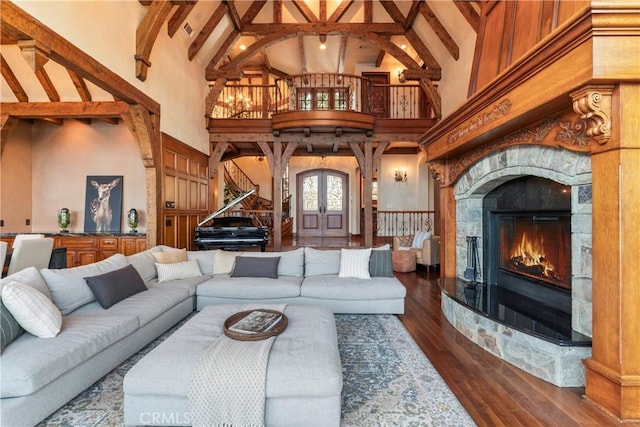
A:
(493, 392)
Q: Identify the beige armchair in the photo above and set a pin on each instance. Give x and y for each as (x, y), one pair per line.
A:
(428, 255)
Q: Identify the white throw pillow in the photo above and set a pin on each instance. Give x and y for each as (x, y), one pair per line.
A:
(419, 239)
(355, 263)
(178, 270)
(223, 261)
(32, 310)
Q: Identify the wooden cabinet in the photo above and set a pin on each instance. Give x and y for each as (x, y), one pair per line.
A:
(86, 249)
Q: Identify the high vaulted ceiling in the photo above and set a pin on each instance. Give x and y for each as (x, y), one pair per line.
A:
(281, 37)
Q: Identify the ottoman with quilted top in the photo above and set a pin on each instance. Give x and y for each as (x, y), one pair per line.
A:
(304, 374)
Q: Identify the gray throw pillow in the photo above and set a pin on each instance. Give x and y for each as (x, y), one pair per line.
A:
(247, 266)
(381, 264)
(114, 286)
(11, 329)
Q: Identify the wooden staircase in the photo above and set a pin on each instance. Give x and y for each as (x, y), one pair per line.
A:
(259, 208)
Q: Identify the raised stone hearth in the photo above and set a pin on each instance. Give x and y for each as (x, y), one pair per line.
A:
(560, 365)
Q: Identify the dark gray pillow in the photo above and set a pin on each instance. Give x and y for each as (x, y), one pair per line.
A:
(11, 329)
(247, 266)
(114, 286)
(380, 263)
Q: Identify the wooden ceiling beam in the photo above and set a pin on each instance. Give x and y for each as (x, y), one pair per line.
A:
(146, 35)
(323, 10)
(440, 30)
(305, 11)
(340, 11)
(64, 110)
(277, 11)
(47, 85)
(179, 16)
(80, 86)
(22, 26)
(233, 14)
(303, 58)
(394, 12)
(368, 12)
(422, 50)
(413, 13)
(422, 74)
(207, 29)
(221, 53)
(469, 13)
(391, 29)
(12, 81)
(252, 12)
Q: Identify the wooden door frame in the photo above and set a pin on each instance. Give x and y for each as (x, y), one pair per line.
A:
(299, 199)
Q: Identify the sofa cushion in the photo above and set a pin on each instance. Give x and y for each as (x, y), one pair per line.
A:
(204, 258)
(336, 288)
(224, 286)
(291, 262)
(321, 262)
(34, 312)
(189, 284)
(29, 276)
(355, 263)
(419, 239)
(381, 263)
(114, 286)
(223, 261)
(30, 363)
(247, 266)
(170, 257)
(68, 287)
(178, 270)
(10, 328)
(145, 263)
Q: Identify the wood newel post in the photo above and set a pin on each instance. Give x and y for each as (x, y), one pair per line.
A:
(613, 371)
(277, 195)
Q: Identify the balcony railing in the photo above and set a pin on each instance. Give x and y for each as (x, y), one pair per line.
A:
(403, 223)
(313, 92)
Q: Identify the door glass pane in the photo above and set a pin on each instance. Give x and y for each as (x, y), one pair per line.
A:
(334, 193)
(304, 100)
(322, 100)
(310, 193)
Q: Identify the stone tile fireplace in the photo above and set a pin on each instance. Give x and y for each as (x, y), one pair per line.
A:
(530, 208)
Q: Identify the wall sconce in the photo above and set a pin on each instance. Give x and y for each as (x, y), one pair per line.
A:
(401, 175)
(401, 78)
(260, 158)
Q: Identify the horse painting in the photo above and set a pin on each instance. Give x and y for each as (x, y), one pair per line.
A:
(100, 212)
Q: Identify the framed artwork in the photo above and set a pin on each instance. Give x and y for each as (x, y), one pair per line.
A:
(103, 204)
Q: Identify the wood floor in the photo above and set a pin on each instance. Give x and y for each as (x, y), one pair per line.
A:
(492, 391)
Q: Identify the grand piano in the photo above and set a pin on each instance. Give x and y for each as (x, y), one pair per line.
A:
(230, 232)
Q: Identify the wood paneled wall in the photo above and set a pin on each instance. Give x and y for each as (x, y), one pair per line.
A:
(186, 192)
(508, 29)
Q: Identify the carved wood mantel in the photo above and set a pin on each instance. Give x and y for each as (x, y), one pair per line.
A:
(578, 89)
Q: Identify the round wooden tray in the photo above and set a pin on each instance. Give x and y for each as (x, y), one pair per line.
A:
(276, 330)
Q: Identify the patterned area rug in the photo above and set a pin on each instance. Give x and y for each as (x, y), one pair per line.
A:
(387, 382)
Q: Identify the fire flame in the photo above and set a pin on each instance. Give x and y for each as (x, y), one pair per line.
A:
(530, 253)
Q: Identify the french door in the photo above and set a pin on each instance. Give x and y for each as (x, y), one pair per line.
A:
(322, 199)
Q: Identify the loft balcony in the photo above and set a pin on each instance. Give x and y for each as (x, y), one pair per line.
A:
(322, 103)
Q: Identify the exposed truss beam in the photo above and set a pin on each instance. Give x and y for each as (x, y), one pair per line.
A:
(179, 16)
(440, 30)
(340, 11)
(233, 14)
(47, 85)
(342, 55)
(368, 11)
(305, 11)
(147, 33)
(12, 81)
(64, 110)
(252, 12)
(422, 50)
(413, 13)
(80, 85)
(221, 53)
(277, 11)
(303, 58)
(208, 28)
(469, 13)
(393, 12)
(391, 29)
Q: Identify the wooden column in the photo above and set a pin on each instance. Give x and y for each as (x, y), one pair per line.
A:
(447, 232)
(368, 188)
(613, 372)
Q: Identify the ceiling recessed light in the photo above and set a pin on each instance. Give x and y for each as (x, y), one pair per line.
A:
(323, 46)
(243, 47)
(403, 46)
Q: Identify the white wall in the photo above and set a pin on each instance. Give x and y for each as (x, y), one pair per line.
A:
(16, 171)
(173, 81)
(63, 156)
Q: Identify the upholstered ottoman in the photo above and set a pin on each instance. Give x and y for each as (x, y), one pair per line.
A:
(304, 374)
(404, 261)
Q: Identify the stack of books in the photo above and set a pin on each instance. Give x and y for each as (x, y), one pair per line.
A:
(256, 322)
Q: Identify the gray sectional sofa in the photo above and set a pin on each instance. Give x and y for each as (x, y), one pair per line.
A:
(39, 375)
